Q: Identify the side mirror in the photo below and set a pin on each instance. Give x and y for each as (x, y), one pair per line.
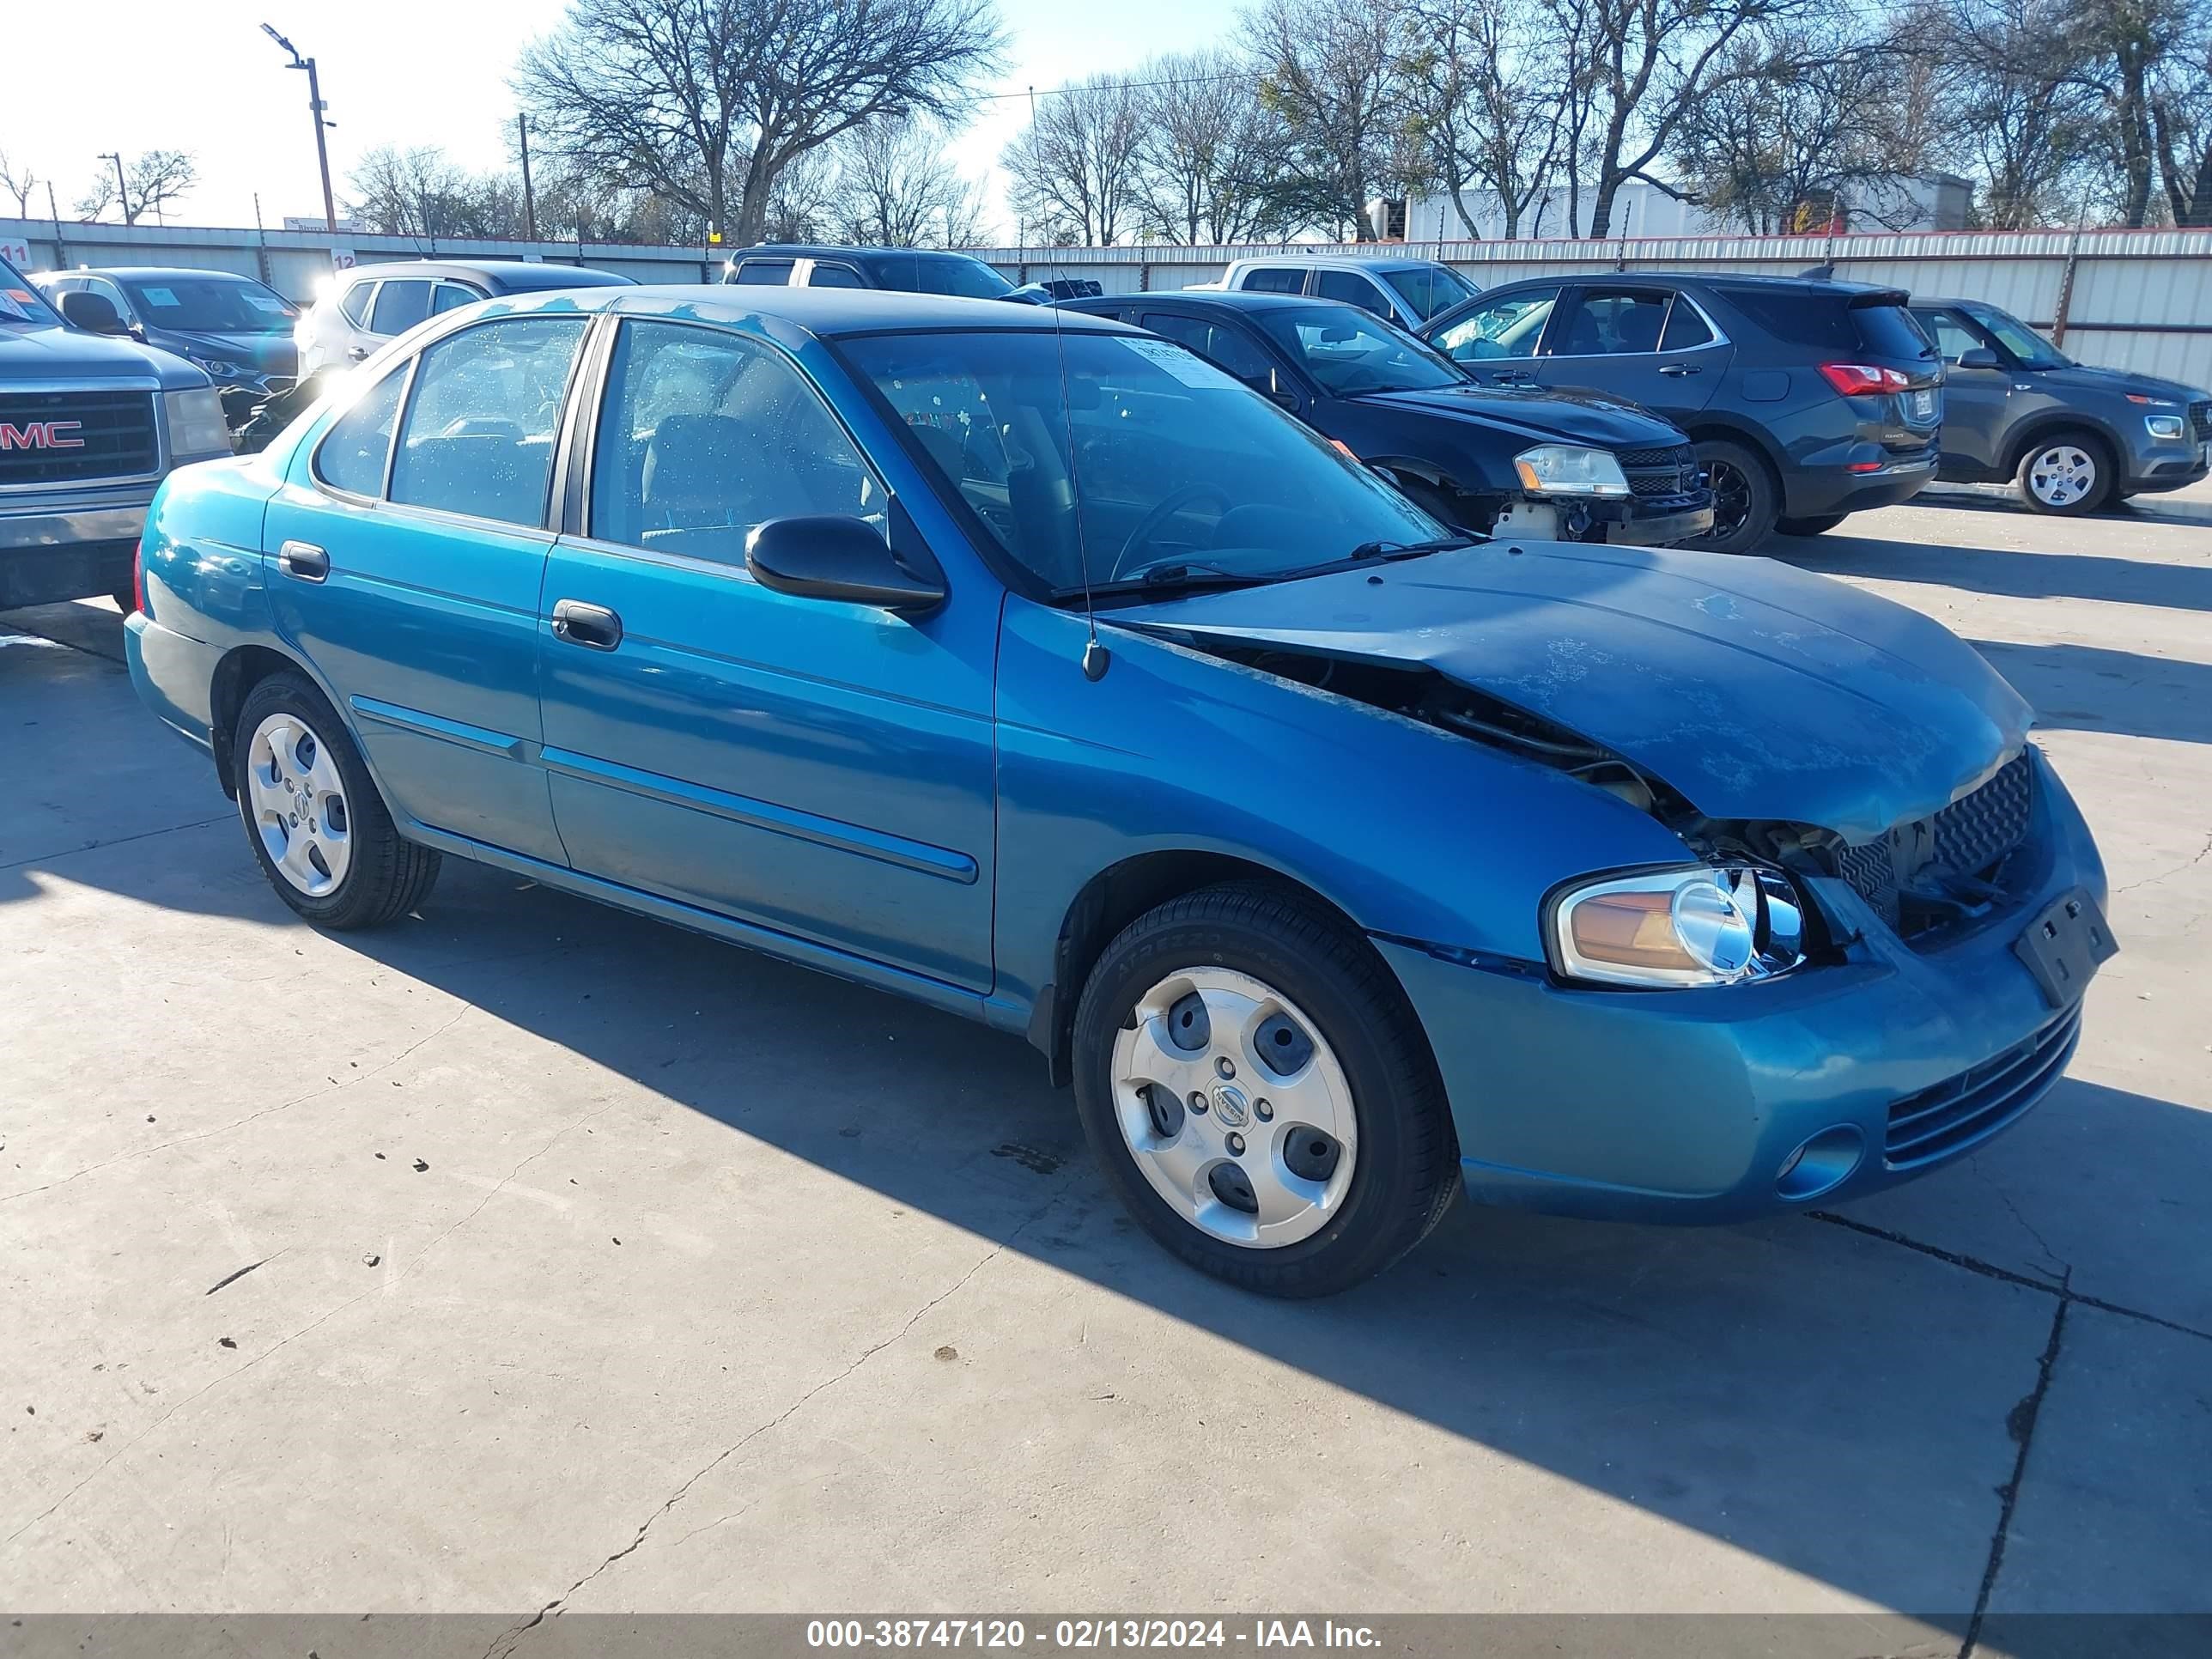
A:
(94, 313)
(1979, 358)
(838, 558)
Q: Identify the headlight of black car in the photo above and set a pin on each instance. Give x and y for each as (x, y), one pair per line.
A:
(1697, 924)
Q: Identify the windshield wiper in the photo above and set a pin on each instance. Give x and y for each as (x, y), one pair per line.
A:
(1389, 552)
(1182, 578)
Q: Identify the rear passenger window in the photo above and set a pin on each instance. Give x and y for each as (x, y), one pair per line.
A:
(352, 454)
(1685, 328)
(451, 296)
(400, 307)
(1614, 322)
(1352, 289)
(834, 277)
(703, 436)
(1224, 348)
(478, 435)
(1274, 279)
(765, 273)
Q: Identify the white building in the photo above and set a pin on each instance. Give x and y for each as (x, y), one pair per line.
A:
(1935, 201)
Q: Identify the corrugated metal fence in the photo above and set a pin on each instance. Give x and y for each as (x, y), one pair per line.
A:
(2128, 298)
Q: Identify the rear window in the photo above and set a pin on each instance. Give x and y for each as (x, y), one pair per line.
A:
(1828, 323)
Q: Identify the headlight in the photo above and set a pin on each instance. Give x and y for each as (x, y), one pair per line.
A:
(1703, 925)
(221, 369)
(2164, 426)
(195, 424)
(1569, 469)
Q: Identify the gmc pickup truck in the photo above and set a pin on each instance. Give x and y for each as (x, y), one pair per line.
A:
(89, 427)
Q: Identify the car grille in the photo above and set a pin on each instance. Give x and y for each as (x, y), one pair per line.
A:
(1670, 471)
(1961, 1111)
(113, 437)
(1965, 839)
(2200, 417)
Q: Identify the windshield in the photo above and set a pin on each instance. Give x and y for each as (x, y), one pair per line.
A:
(1427, 289)
(955, 274)
(2017, 337)
(209, 304)
(21, 303)
(1348, 351)
(1173, 463)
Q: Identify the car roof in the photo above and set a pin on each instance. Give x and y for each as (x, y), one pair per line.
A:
(517, 276)
(167, 273)
(1364, 261)
(832, 251)
(826, 312)
(1219, 299)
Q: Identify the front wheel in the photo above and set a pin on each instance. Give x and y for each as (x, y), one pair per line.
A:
(2068, 475)
(322, 833)
(1818, 526)
(1744, 499)
(1258, 1093)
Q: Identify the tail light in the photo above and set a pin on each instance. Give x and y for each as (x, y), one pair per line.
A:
(1863, 379)
(138, 580)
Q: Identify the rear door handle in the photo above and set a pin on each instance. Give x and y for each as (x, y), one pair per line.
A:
(1676, 371)
(592, 625)
(303, 560)
(357, 353)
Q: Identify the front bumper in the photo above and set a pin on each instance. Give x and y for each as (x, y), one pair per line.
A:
(55, 547)
(2158, 465)
(1657, 523)
(1684, 1105)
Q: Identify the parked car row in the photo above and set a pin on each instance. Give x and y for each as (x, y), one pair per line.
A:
(1028, 664)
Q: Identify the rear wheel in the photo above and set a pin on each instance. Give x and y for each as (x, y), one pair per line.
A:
(1819, 524)
(1258, 1093)
(323, 834)
(1745, 506)
(2068, 475)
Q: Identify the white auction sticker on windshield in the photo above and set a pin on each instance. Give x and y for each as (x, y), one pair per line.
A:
(1187, 366)
(268, 302)
(164, 297)
(11, 308)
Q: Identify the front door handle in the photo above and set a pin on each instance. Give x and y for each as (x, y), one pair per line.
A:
(1676, 371)
(1511, 376)
(592, 625)
(303, 560)
(357, 353)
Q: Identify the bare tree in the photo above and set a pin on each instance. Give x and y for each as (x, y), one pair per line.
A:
(2181, 120)
(1210, 153)
(18, 182)
(2023, 118)
(894, 187)
(153, 183)
(706, 102)
(1075, 168)
(1328, 69)
(1484, 96)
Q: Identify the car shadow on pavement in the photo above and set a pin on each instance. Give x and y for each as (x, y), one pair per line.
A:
(2091, 689)
(2156, 508)
(1698, 1374)
(2010, 573)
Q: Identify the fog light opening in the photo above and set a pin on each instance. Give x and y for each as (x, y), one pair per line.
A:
(1820, 1164)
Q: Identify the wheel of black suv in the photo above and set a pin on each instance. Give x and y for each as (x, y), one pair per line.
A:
(1744, 504)
(322, 833)
(1819, 526)
(1258, 1093)
(2068, 474)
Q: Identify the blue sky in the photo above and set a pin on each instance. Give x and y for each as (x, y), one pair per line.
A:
(198, 75)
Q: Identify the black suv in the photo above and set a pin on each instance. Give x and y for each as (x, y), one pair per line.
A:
(2074, 438)
(1807, 400)
(908, 270)
(1501, 460)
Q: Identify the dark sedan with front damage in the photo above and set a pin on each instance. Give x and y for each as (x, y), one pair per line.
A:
(1504, 461)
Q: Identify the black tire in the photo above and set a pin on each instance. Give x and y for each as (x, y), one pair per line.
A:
(125, 597)
(1407, 1170)
(1819, 526)
(2094, 500)
(1745, 503)
(387, 875)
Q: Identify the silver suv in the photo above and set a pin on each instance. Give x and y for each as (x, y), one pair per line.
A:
(366, 306)
(1407, 291)
(89, 425)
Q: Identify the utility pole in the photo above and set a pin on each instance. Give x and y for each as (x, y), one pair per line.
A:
(529, 199)
(122, 190)
(315, 107)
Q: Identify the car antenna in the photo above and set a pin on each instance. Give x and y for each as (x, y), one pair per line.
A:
(1097, 659)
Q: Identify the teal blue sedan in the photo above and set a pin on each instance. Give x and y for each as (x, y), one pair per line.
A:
(1029, 666)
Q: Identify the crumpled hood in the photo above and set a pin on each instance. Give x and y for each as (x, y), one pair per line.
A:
(1756, 691)
(1544, 415)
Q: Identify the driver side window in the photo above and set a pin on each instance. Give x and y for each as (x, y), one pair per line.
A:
(1953, 339)
(1507, 327)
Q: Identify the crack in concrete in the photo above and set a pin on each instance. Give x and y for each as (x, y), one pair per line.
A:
(2063, 1290)
(504, 1643)
(117, 840)
(377, 1070)
(2065, 1268)
(2020, 1422)
(2202, 852)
